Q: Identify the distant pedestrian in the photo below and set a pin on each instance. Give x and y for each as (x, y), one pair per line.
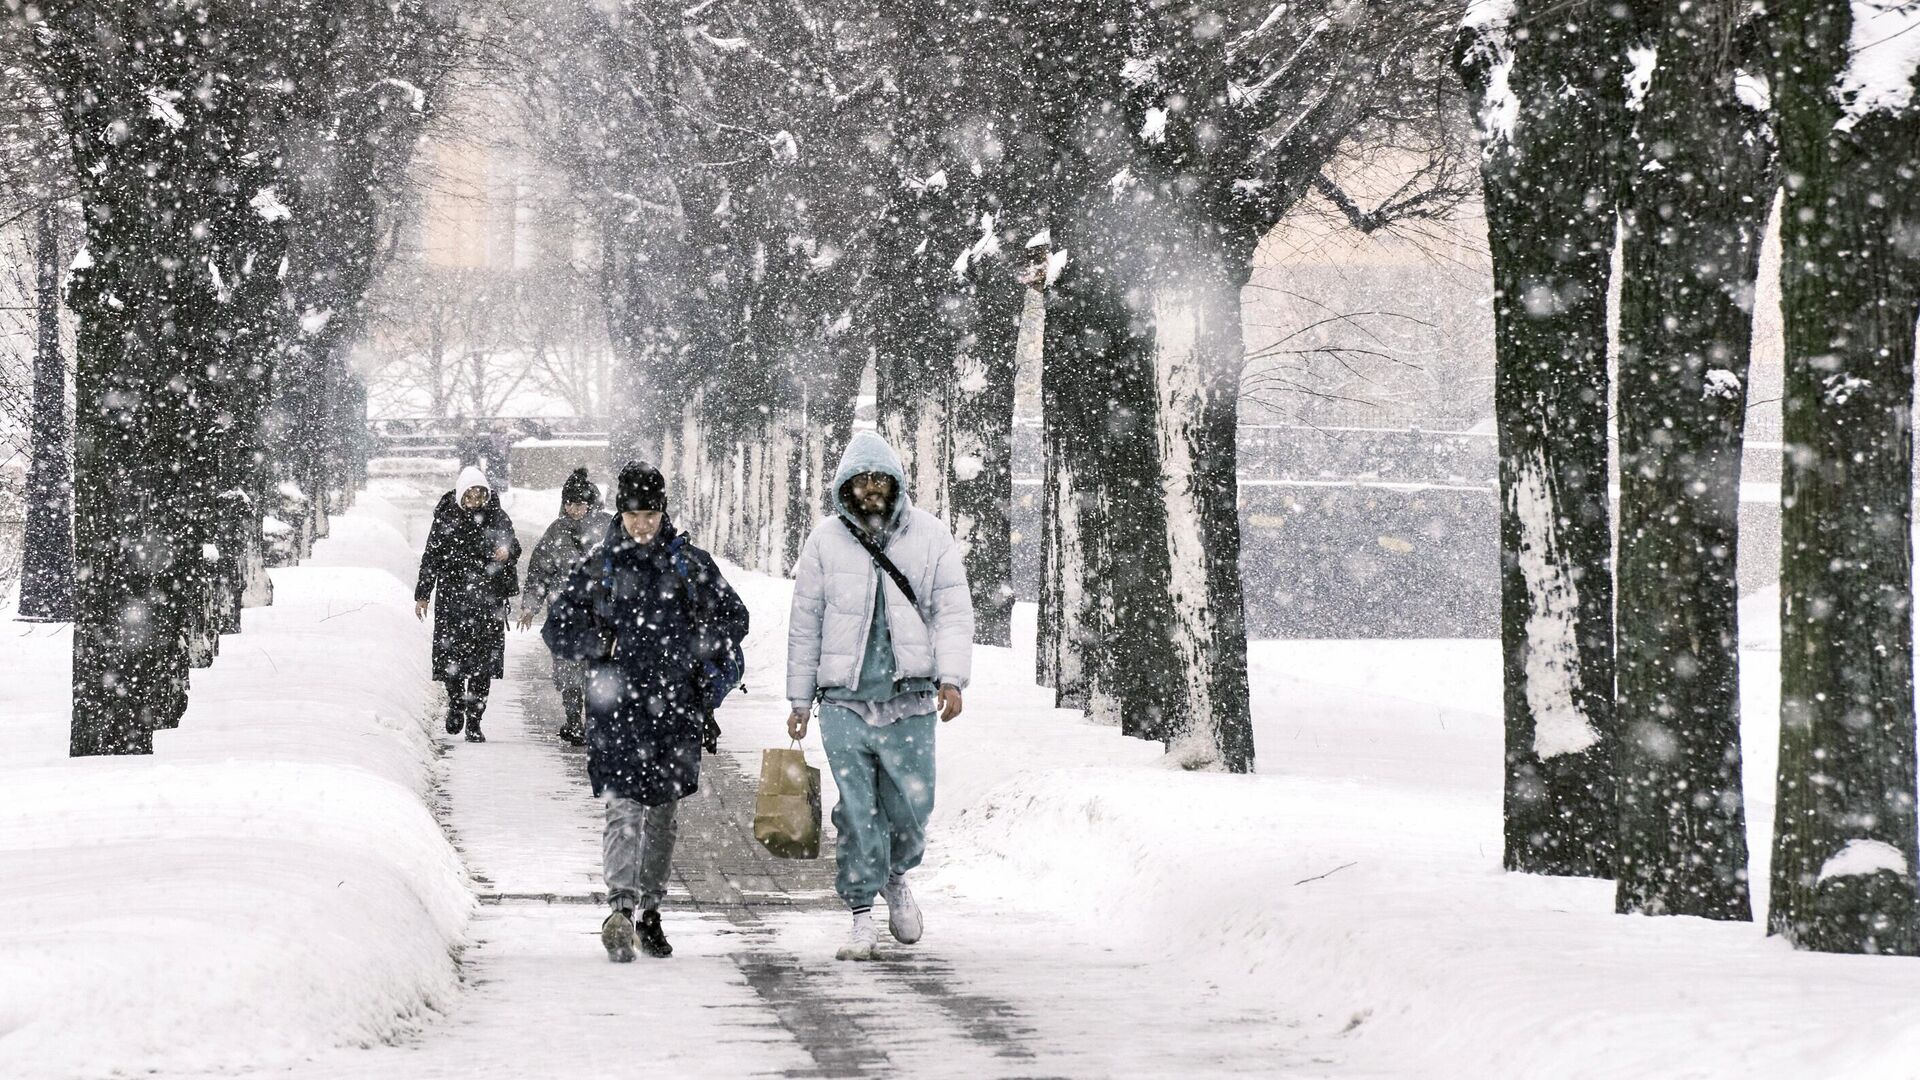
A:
(580, 527)
(470, 444)
(881, 635)
(652, 617)
(472, 564)
(499, 453)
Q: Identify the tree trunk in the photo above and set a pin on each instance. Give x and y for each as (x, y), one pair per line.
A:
(1049, 627)
(1700, 192)
(982, 437)
(1200, 350)
(1844, 832)
(643, 328)
(46, 578)
(1551, 123)
(1102, 351)
(921, 315)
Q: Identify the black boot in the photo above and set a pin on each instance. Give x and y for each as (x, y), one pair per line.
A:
(473, 723)
(456, 711)
(653, 940)
(574, 728)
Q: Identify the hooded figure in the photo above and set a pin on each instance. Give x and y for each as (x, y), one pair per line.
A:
(580, 526)
(471, 561)
(883, 655)
(646, 611)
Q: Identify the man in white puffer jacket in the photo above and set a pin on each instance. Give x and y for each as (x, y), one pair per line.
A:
(882, 661)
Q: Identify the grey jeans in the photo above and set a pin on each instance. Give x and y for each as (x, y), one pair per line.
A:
(638, 848)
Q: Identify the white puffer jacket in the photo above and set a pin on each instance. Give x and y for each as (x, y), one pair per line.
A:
(833, 585)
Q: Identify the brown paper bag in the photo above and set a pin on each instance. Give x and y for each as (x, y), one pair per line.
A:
(786, 814)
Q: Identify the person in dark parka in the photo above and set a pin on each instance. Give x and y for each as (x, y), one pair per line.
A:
(579, 528)
(647, 611)
(472, 562)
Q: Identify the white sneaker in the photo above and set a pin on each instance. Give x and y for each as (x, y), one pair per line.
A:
(861, 944)
(903, 915)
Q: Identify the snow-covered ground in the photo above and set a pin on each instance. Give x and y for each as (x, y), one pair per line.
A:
(272, 883)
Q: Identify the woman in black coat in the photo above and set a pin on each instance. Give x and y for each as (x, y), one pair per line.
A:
(472, 560)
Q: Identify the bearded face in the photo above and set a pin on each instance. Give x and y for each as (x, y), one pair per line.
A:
(870, 496)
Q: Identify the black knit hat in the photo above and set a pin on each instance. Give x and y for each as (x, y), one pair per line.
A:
(579, 489)
(642, 487)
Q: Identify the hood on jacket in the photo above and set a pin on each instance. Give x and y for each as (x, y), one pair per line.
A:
(868, 452)
(470, 477)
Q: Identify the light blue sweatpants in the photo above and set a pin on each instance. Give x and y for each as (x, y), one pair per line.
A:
(885, 776)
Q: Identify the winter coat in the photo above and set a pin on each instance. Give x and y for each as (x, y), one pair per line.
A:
(833, 590)
(561, 548)
(645, 617)
(470, 614)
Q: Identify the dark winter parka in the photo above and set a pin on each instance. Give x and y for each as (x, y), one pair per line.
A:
(645, 617)
(470, 616)
(561, 548)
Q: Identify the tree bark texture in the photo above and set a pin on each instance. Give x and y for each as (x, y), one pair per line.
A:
(1548, 87)
(1700, 191)
(1844, 829)
(46, 578)
(981, 416)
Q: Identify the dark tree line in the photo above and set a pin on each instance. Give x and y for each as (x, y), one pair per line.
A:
(34, 193)
(224, 156)
(1686, 119)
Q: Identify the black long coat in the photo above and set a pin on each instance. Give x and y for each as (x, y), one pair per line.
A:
(460, 563)
(645, 617)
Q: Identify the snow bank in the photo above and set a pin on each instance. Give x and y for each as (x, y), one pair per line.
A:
(271, 882)
(1356, 882)
(1883, 57)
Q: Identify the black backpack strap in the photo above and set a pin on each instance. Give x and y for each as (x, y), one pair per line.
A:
(880, 559)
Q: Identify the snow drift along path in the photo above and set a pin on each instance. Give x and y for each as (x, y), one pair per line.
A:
(270, 883)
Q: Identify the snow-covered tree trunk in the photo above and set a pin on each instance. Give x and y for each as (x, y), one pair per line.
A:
(646, 316)
(1700, 190)
(167, 312)
(1199, 352)
(981, 422)
(1548, 81)
(46, 570)
(792, 500)
(1844, 833)
(919, 315)
(1099, 372)
(1049, 627)
(1109, 396)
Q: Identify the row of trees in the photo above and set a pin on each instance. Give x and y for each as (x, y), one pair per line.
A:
(33, 190)
(234, 162)
(1681, 122)
(789, 192)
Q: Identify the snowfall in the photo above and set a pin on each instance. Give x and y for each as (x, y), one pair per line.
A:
(309, 879)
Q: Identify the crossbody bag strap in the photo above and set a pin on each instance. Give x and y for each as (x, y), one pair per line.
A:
(880, 559)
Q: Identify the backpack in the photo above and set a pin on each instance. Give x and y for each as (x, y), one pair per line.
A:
(723, 676)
